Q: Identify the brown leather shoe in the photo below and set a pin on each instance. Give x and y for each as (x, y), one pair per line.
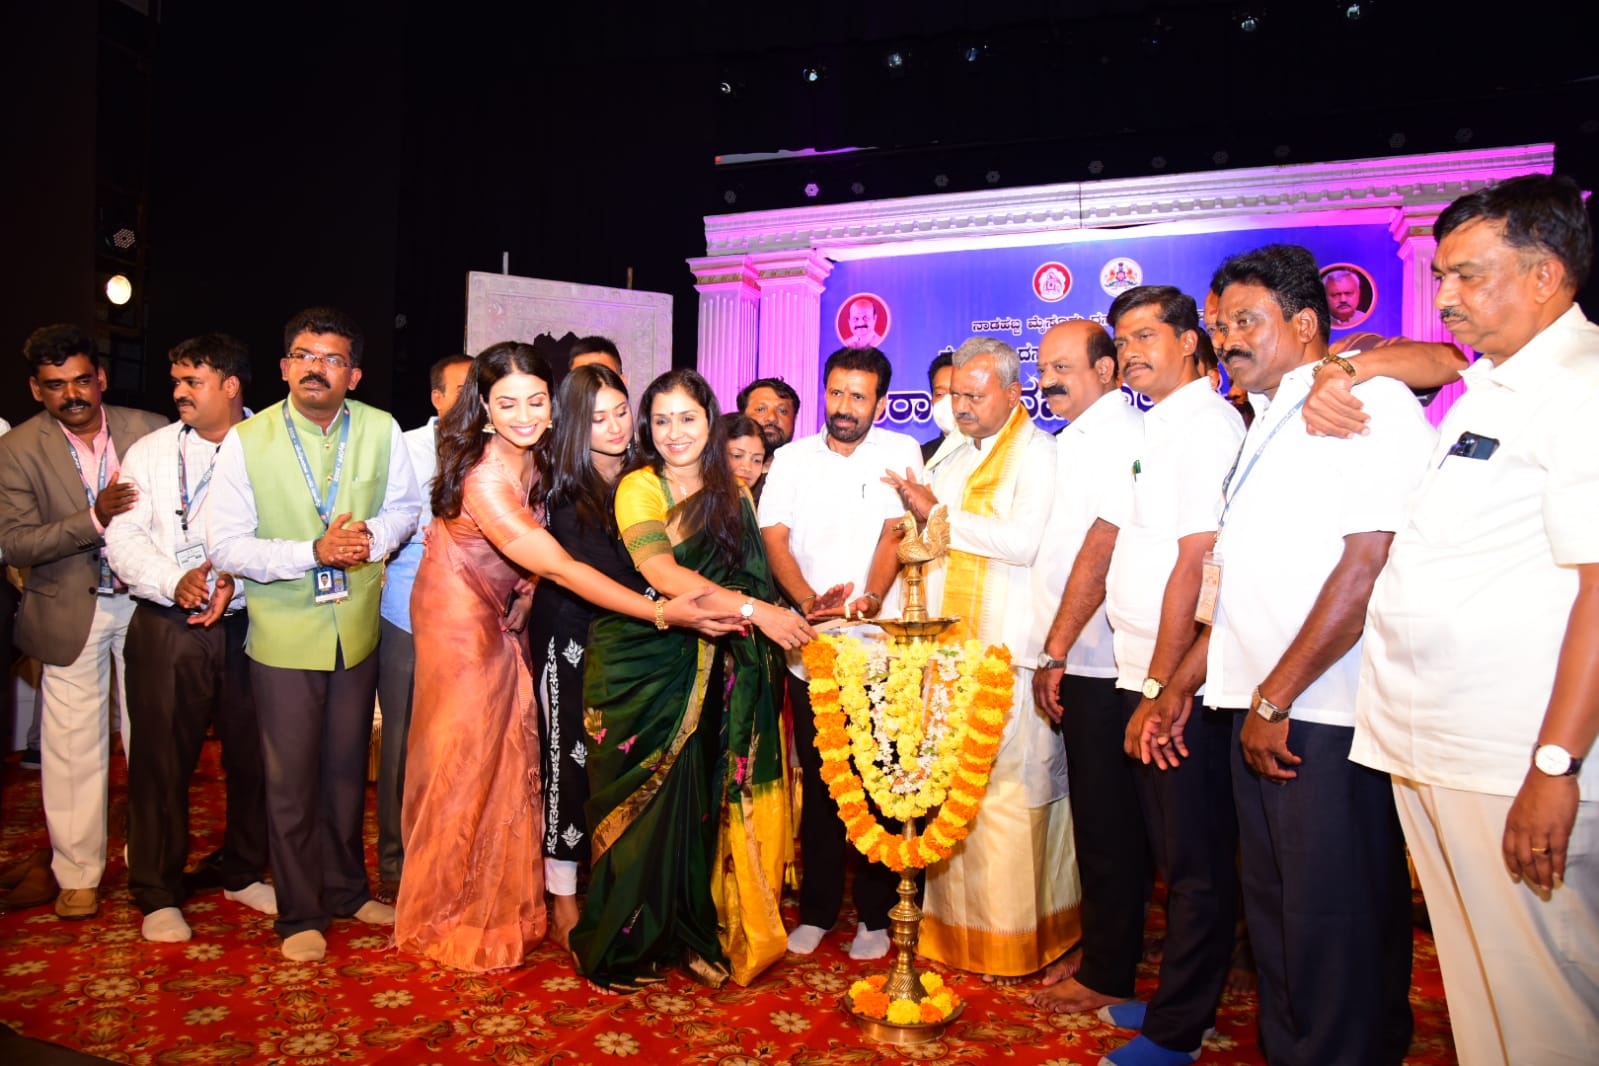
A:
(15, 875)
(34, 890)
(76, 904)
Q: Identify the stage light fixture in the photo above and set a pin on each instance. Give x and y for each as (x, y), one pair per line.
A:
(1353, 12)
(1157, 162)
(856, 187)
(812, 75)
(1249, 23)
(118, 289)
(972, 54)
(992, 177)
(727, 88)
(1464, 135)
(813, 190)
(1281, 151)
(894, 61)
(729, 196)
(1220, 156)
(124, 238)
(1396, 140)
(1096, 166)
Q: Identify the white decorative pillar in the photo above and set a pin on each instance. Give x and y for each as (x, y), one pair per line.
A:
(791, 285)
(1412, 228)
(729, 311)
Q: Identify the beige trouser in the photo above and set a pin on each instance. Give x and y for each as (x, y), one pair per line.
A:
(1521, 975)
(75, 744)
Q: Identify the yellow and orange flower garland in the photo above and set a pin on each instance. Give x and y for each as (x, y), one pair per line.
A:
(913, 757)
(867, 997)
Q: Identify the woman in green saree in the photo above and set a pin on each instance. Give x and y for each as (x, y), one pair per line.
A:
(687, 809)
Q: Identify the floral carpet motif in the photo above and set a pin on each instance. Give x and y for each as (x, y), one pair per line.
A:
(228, 997)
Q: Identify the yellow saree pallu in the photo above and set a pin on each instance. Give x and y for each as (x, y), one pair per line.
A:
(752, 845)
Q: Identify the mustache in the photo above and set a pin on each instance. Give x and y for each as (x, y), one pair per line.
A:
(1451, 314)
(1053, 390)
(317, 378)
(75, 405)
(1245, 353)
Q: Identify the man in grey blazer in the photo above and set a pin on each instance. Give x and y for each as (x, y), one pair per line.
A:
(58, 490)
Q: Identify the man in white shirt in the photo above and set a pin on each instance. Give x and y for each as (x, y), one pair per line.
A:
(396, 652)
(1006, 903)
(307, 497)
(185, 648)
(1304, 530)
(1478, 688)
(1076, 679)
(1190, 436)
(829, 524)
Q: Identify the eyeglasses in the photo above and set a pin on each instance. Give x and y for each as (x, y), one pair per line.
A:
(332, 362)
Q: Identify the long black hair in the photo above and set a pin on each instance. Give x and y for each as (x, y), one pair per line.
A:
(461, 436)
(718, 508)
(567, 467)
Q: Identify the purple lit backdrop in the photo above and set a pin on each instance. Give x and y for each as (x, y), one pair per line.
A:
(937, 300)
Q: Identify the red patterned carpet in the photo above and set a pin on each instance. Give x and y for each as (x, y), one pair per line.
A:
(228, 997)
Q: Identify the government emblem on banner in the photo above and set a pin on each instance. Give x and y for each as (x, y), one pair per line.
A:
(1051, 282)
(1119, 275)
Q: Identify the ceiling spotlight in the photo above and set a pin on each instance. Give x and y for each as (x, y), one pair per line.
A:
(973, 52)
(1396, 140)
(729, 196)
(727, 88)
(812, 75)
(856, 187)
(894, 61)
(118, 289)
(1464, 134)
(1096, 166)
(813, 190)
(1249, 23)
(941, 180)
(1157, 162)
(1219, 156)
(1353, 12)
(1281, 151)
(124, 238)
(992, 177)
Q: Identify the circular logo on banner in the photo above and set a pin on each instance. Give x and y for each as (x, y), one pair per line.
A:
(1120, 274)
(1051, 282)
(863, 321)
(1351, 294)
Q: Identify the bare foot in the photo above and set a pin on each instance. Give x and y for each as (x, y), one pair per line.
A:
(1003, 982)
(1063, 968)
(1071, 997)
(563, 918)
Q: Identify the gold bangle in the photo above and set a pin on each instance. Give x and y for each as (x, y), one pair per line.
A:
(1336, 360)
(660, 615)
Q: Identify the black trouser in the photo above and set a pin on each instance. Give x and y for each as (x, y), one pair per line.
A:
(180, 679)
(824, 845)
(396, 679)
(1108, 828)
(315, 728)
(1327, 897)
(1193, 835)
(8, 657)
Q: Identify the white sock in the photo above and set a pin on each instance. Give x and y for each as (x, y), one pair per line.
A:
(258, 896)
(166, 926)
(869, 943)
(305, 946)
(374, 913)
(805, 939)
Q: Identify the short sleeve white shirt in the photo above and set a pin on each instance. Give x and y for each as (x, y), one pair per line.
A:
(1190, 439)
(1092, 458)
(1465, 626)
(1283, 531)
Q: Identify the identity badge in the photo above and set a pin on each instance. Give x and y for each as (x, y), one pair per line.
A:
(332, 584)
(107, 583)
(1209, 588)
(190, 556)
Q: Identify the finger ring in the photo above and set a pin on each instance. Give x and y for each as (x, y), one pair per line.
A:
(1539, 851)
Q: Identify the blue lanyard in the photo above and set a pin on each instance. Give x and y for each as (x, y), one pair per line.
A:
(323, 507)
(91, 491)
(1228, 497)
(183, 481)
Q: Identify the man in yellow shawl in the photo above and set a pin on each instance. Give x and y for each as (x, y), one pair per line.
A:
(1006, 903)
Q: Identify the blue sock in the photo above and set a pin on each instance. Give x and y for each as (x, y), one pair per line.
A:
(1129, 1015)
(1142, 1051)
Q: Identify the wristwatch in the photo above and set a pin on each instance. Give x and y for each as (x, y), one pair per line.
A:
(1046, 663)
(1265, 708)
(1555, 761)
(1152, 688)
(747, 608)
(1334, 360)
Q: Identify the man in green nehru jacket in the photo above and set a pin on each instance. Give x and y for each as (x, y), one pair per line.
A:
(308, 498)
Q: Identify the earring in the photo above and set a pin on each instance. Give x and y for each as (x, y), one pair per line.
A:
(488, 427)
